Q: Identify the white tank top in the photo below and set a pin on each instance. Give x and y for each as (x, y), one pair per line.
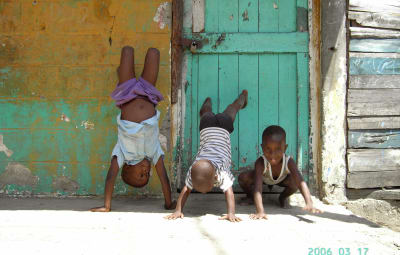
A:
(267, 174)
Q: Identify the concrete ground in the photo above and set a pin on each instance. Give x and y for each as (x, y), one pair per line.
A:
(64, 226)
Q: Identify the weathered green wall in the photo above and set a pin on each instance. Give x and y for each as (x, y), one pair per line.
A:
(57, 68)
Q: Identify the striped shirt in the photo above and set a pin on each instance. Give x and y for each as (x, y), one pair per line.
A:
(215, 146)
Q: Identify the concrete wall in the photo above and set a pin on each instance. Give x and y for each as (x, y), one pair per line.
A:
(333, 100)
(57, 68)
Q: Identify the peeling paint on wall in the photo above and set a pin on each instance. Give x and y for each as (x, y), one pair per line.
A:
(65, 184)
(4, 148)
(65, 118)
(87, 124)
(163, 141)
(245, 15)
(56, 71)
(163, 15)
(18, 174)
(4, 73)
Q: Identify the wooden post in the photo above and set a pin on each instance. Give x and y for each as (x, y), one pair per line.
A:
(176, 51)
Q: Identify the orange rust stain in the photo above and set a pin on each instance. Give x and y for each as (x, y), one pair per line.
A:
(101, 9)
(316, 48)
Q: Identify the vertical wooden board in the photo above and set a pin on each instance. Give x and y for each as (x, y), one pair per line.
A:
(302, 15)
(287, 15)
(268, 92)
(228, 92)
(228, 16)
(302, 113)
(248, 15)
(194, 103)
(248, 117)
(211, 17)
(268, 16)
(302, 3)
(187, 146)
(288, 100)
(208, 80)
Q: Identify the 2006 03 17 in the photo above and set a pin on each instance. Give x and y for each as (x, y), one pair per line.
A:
(339, 251)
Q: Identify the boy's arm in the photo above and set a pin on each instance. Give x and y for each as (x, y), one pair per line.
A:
(230, 203)
(166, 188)
(302, 186)
(258, 182)
(180, 204)
(109, 186)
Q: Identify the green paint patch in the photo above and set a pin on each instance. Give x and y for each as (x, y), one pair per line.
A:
(5, 70)
(4, 75)
(13, 189)
(45, 182)
(74, 3)
(145, 27)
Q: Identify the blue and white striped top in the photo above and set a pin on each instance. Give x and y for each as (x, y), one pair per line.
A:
(215, 146)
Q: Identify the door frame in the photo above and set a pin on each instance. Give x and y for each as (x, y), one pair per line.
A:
(182, 22)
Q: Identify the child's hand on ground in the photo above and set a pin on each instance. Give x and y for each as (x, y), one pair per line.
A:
(170, 206)
(311, 209)
(100, 209)
(259, 216)
(231, 218)
(174, 216)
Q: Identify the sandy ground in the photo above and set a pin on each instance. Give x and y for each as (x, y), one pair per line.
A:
(64, 226)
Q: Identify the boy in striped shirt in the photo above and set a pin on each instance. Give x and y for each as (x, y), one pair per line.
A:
(212, 164)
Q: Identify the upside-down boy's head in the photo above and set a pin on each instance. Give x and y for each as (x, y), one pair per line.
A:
(203, 176)
(137, 175)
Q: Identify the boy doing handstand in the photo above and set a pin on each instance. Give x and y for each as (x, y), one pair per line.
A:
(274, 167)
(138, 144)
(212, 164)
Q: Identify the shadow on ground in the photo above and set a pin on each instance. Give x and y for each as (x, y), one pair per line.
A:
(196, 206)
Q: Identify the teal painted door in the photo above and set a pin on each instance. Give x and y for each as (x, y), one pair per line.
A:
(256, 45)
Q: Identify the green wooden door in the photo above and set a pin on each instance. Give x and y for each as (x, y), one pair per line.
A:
(256, 45)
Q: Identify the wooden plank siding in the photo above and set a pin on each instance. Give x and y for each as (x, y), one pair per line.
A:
(375, 45)
(367, 32)
(374, 82)
(379, 20)
(369, 168)
(383, 139)
(373, 102)
(357, 123)
(383, 6)
(373, 97)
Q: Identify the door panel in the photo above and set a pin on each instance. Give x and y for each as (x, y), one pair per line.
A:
(251, 45)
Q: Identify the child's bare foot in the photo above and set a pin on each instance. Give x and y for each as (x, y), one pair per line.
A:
(206, 107)
(100, 209)
(245, 95)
